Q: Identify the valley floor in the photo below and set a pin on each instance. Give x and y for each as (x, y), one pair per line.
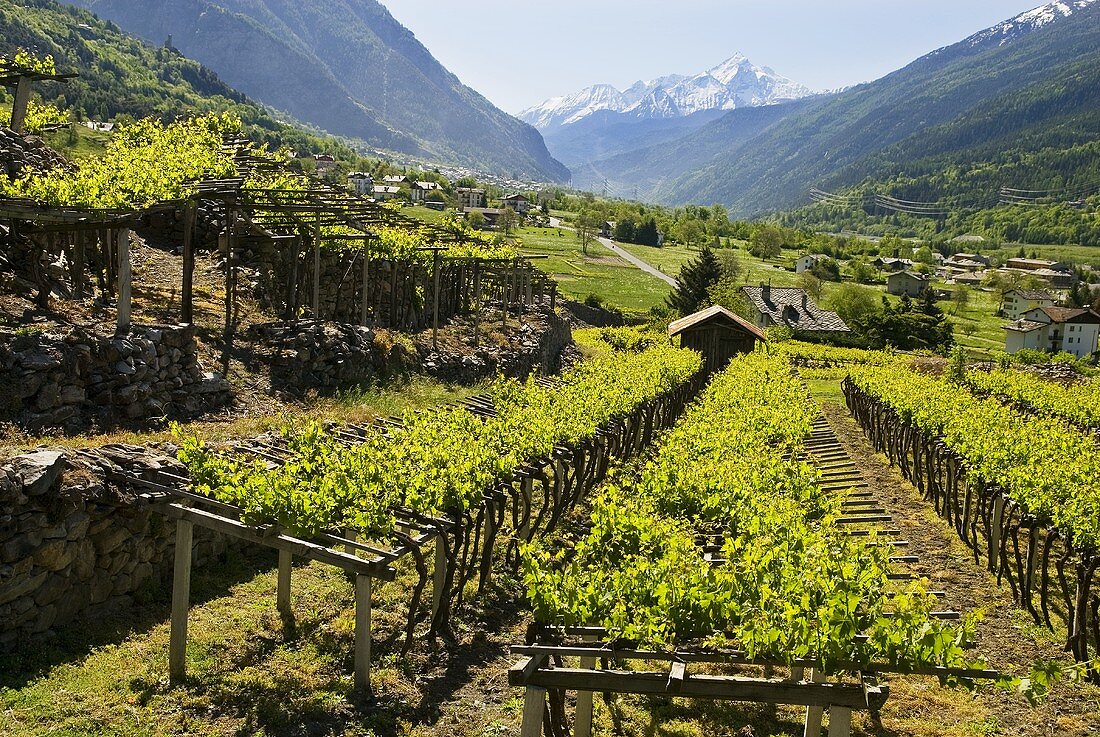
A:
(251, 673)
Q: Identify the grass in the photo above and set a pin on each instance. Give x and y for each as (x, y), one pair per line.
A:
(598, 272)
(88, 143)
(356, 406)
(424, 214)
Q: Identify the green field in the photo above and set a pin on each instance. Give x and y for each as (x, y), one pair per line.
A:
(599, 272)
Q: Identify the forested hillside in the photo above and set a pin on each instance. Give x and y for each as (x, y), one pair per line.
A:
(348, 67)
(991, 111)
(121, 75)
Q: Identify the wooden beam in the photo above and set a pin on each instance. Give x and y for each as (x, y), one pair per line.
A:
(814, 711)
(187, 290)
(730, 688)
(286, 561)
(439, 575)
(435, 298)
(362, 632)
(125, 282)
(317, 269)
(300, 548)
(582, 722)
(19, 107)
(181, 601)
(534, 705)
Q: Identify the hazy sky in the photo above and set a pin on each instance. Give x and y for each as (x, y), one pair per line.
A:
(520, 52)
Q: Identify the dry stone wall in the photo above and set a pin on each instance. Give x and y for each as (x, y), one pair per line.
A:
(73, 542)
(73, 378)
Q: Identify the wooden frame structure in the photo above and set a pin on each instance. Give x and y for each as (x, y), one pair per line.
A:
(464, 544)
(544, 675)
(20, 79)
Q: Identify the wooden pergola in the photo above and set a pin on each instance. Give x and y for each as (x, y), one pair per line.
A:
(20, 79)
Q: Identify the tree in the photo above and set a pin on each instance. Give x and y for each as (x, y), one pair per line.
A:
(476, 220)
(810, 284)
(852, 302)
(626, 229)
(826, 269)
(507, 220)
(647, 233)
(697, 278)
(960, 297)
(588, 224)
(766, 242)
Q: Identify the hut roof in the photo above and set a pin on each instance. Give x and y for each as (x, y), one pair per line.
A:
(717, 312)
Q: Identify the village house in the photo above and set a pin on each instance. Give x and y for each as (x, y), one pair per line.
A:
(385, 193)
(324, 162)
(1016, 302)
(888, 263)
(361, 183)
(517, 202)
(791, 308)
(421, 190)
(490, 214)
(907, 282)
(807, 262)
(1074, 330)
(470, 197)
(395, 180)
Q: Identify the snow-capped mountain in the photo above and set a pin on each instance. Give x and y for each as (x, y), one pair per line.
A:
(1026, 22)
(734, 83)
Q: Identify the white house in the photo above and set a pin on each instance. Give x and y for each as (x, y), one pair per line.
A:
(1074, 330)
(517, 202)
(805, 263)
(470, 197)
(361, 182)
(421, 190)
(1018, 301)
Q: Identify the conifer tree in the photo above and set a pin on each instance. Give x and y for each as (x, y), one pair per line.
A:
(696, 280)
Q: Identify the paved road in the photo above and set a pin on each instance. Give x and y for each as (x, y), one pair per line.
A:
(625, 255)
(628, 256)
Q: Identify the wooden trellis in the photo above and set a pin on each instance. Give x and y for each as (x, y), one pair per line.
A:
(20, 79)
(544, 673)
(464, 543)
(1029, 551)
(545, 676)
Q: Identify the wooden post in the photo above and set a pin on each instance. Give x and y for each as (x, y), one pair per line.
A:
(439, 575)
(181, 600)
(230, 273)
(534, 703)
(524, 532)
(362, 631)
(477, 301)
(365, 309)
(187, 298)
(79, 259)
(553, 296)
(436, 259)
(840, 721)
(995, 532)
(122, 322)
(282, 598)
(582, 723)
(317, 269)
(19, 107)
(813, 713)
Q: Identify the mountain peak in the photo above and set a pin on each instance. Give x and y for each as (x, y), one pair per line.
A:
(736, 82)
(1031, 20)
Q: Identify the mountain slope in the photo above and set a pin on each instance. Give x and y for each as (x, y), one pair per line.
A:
(601, 121)
(346, 66)
(1036, 77)
(122, 75)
